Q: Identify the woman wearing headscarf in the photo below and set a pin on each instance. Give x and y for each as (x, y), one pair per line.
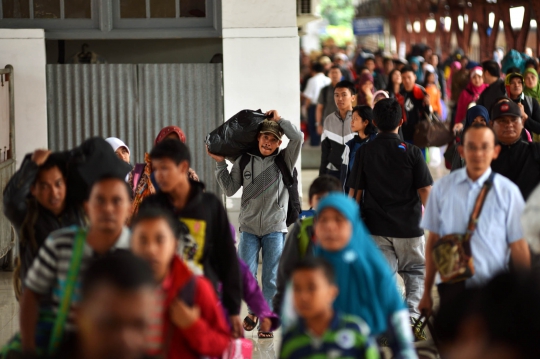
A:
(532, 87)
(141, 178)
(366, 285)
(366, 90)
(471, 94)
(475, 115)
(120, 148)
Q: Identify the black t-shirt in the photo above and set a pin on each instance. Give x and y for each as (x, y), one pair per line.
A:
(520, 163)
(390, 171)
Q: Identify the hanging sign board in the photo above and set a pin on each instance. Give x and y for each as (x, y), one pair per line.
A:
(368, 26)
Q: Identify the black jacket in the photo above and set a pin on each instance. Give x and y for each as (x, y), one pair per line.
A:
(204, 211)
(33, 222)
(491, 94)
(532, 109)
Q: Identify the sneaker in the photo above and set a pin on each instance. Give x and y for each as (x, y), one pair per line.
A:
(418, 331)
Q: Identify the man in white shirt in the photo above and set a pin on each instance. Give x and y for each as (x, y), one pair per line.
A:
(311, 95)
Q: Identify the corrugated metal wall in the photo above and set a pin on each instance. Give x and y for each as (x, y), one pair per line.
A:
(133, 102)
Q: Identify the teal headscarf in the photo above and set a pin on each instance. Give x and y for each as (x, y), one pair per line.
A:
(367, 287)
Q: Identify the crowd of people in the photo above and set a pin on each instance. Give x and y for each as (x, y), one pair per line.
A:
(123, 261)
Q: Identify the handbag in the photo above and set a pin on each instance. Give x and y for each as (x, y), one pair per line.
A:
(50, 326)
(239, 349)
(431, 133)
(452, 253)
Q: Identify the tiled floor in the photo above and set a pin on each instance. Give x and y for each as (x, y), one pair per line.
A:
(9, 308)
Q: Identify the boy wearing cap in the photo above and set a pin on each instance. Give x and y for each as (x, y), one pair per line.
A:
(263, 209)
(530, 109)
(518, 160)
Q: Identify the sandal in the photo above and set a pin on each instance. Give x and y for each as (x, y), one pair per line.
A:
(249, 324)
(265, 335)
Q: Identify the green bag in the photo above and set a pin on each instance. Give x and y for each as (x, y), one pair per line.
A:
(50, 327)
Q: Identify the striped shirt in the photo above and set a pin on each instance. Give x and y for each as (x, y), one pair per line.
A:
(449, 208)
(48, 272)
(346, 337)
(156, 338)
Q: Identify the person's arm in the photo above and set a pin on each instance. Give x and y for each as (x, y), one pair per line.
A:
(231, 182)
(318, 118)
(325, 151)
(39, 281)
(533, 121)
(520, 254)
(426, 303)
(207, 333)
(423, 193)
(442, 83)
(295, 136)
(29, 313)
(223, 256)
(18, 187)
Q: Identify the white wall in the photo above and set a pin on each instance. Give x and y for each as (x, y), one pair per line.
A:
(25, 51)
(260, 62)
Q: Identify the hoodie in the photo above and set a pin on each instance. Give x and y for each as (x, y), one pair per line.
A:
(264, 198)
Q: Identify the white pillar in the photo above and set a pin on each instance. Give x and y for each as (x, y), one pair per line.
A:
(261, 61)
(25, 50)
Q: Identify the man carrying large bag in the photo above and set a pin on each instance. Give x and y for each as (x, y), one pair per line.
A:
(265, 198)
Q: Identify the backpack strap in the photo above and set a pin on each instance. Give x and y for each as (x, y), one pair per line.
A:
(285, 173)
(187, 292)
(68, 290)
(528, 99)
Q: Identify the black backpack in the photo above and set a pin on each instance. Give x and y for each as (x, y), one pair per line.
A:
(294, 207)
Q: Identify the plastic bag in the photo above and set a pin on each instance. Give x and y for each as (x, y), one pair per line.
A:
(239, 349)
(237, 135)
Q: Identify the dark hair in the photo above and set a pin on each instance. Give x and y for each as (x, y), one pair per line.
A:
(513, 70)
(324, 184)
(367, 115)
(107, 177)
(54, 160)
(347, 85)
(369, 59)
(426, 75)
(492, 67)
(120, 269)
(317, 67)
(531, 62)
(314, 263)
(359, 69)
(476, 126)
(390, 85)
(407, 68)
(388, 59)
(171, 149)
(335, 67)
(154, 212)
(387, 114)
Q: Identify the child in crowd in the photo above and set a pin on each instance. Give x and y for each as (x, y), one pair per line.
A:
(188, 319)
(362, 124)
(321, 331)
(300, 240)
(367, 287)
(434, 93)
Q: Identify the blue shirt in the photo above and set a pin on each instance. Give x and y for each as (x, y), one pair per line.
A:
(449, 208)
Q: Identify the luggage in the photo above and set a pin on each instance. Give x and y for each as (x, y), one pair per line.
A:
(237, 135)
(431, 133)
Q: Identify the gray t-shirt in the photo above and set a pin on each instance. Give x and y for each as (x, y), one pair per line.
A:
(326, 98)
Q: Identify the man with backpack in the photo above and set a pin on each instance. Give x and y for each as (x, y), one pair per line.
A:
(263, 173)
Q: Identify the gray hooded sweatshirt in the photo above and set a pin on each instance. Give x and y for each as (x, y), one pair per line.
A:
(264, 197)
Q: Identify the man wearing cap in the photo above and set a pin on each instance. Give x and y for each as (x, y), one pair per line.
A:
(518, 160)
(265, 198)
(529, 107)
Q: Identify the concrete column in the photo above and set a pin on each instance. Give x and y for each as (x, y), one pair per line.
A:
(260, 62)
(24, 49)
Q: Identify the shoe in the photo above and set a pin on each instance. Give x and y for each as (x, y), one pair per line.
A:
(418, 330)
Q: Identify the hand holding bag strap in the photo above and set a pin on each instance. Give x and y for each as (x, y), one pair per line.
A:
(477, 209)
(68, 290)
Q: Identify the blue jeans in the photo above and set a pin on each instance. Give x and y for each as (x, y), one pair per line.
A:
(272, 246)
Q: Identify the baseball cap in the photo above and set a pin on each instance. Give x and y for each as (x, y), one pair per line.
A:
(512, 76)
(505, 109)
(272, 127)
